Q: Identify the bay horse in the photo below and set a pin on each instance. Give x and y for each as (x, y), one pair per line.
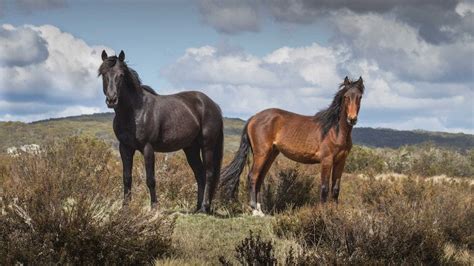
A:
(324, 138)
(148, 122)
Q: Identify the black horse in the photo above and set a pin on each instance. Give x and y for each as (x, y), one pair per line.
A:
(148, 122)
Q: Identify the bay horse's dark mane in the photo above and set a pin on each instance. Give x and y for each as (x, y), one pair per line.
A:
(330, 116)
(129, 73)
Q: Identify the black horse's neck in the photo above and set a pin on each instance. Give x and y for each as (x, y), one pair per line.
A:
(130, 99)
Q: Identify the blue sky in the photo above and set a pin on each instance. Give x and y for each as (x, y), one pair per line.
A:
(416, 57)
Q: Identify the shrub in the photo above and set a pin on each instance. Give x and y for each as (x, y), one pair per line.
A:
(394, 221)
(288, 190)
(429, 160)
(253, 250)
(364, 160)
(176, 185)
(354, 236)
(61, 207)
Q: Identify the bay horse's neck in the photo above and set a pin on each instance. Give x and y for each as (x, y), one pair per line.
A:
(345, 129)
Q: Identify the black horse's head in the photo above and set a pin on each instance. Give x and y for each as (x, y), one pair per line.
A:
(113, 73)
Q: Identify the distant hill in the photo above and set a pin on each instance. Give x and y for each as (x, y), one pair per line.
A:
(100, 126)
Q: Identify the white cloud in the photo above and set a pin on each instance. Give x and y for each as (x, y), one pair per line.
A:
(431, 123)
(304, 79)
(21, 47)
(204, 64)
(52, 113)
(47, 66)
(397, 47)
(464, 8)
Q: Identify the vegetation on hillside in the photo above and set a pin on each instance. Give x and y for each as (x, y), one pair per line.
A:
(100, 126)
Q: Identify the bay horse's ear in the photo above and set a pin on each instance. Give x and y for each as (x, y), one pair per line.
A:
(360, 84)
(104, 55)
(347, 81)
(122, 56)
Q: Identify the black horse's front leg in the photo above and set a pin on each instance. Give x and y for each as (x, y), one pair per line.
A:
(127, 163)
(149, 155)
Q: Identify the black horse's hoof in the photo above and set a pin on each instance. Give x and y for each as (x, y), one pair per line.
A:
(203, 210)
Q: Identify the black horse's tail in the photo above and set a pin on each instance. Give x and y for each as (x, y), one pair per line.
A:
(218, 154)
(230, 177)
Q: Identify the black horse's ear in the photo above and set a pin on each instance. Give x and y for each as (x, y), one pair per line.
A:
(104, 55)
(347, 81)
(122, 56)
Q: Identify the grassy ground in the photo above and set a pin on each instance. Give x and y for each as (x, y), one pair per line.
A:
(63, 206)
(202, 239)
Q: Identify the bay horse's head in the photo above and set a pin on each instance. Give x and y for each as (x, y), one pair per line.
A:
(112, 71)
(352, 99)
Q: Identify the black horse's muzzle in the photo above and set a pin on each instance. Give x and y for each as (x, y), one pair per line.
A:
(111, 102)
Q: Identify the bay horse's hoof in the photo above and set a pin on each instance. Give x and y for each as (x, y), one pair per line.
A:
(258, 213)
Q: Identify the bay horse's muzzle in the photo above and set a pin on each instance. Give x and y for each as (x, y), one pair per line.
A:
(352, 121)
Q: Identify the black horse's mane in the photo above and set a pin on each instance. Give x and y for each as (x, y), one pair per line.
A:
(110, 62)
(329, 117)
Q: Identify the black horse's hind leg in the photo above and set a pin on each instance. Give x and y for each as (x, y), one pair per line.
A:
(211, 179)
(194, 160)
(149, 155)
(127, 163)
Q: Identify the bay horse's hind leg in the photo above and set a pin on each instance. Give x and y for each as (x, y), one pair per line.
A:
(261, 163)
(193, 157)
(261, 177)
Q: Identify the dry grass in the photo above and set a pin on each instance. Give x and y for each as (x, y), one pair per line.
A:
(402, 221)
(64, 206)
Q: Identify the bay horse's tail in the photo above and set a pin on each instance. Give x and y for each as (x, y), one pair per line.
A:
(230, 177)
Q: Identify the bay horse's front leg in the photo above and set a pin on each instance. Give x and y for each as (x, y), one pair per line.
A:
(126, 154)
(149, 155)
(326, 168)
(337, 170)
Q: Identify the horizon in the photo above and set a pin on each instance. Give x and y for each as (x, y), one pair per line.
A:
(226, 117)
(415, 59)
